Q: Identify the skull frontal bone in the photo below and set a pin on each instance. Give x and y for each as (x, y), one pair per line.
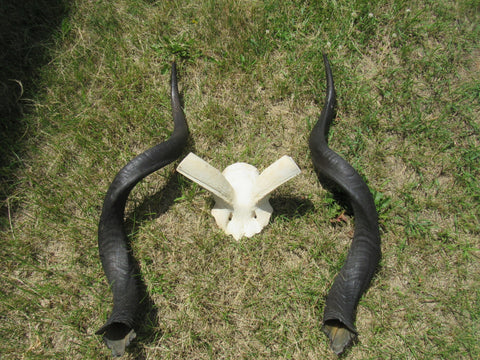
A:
(241, 194)
(246, 216)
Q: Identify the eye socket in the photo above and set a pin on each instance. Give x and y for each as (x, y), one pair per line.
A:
(230, 216)
(254, 214)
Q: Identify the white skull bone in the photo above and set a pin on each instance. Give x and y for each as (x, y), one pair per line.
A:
(241, 194)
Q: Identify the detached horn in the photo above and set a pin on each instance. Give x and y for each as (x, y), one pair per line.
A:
(117, 261)
(364, 254)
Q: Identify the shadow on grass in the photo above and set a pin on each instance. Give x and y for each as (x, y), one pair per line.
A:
(290, 207)
(155, 205)
(27, 30)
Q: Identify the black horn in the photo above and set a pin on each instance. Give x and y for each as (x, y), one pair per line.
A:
(364, 254)
(117, 261)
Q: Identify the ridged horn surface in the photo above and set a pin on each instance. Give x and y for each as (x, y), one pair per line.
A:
(117, 261)
(364, 254)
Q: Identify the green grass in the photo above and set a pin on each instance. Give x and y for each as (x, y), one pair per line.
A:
(96, 93)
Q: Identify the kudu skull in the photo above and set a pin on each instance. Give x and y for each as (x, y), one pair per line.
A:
(241, 193)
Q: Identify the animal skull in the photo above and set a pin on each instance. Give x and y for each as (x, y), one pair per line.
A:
(244, 215)
(241, 194)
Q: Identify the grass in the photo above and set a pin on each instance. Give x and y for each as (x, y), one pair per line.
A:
(96, 93)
